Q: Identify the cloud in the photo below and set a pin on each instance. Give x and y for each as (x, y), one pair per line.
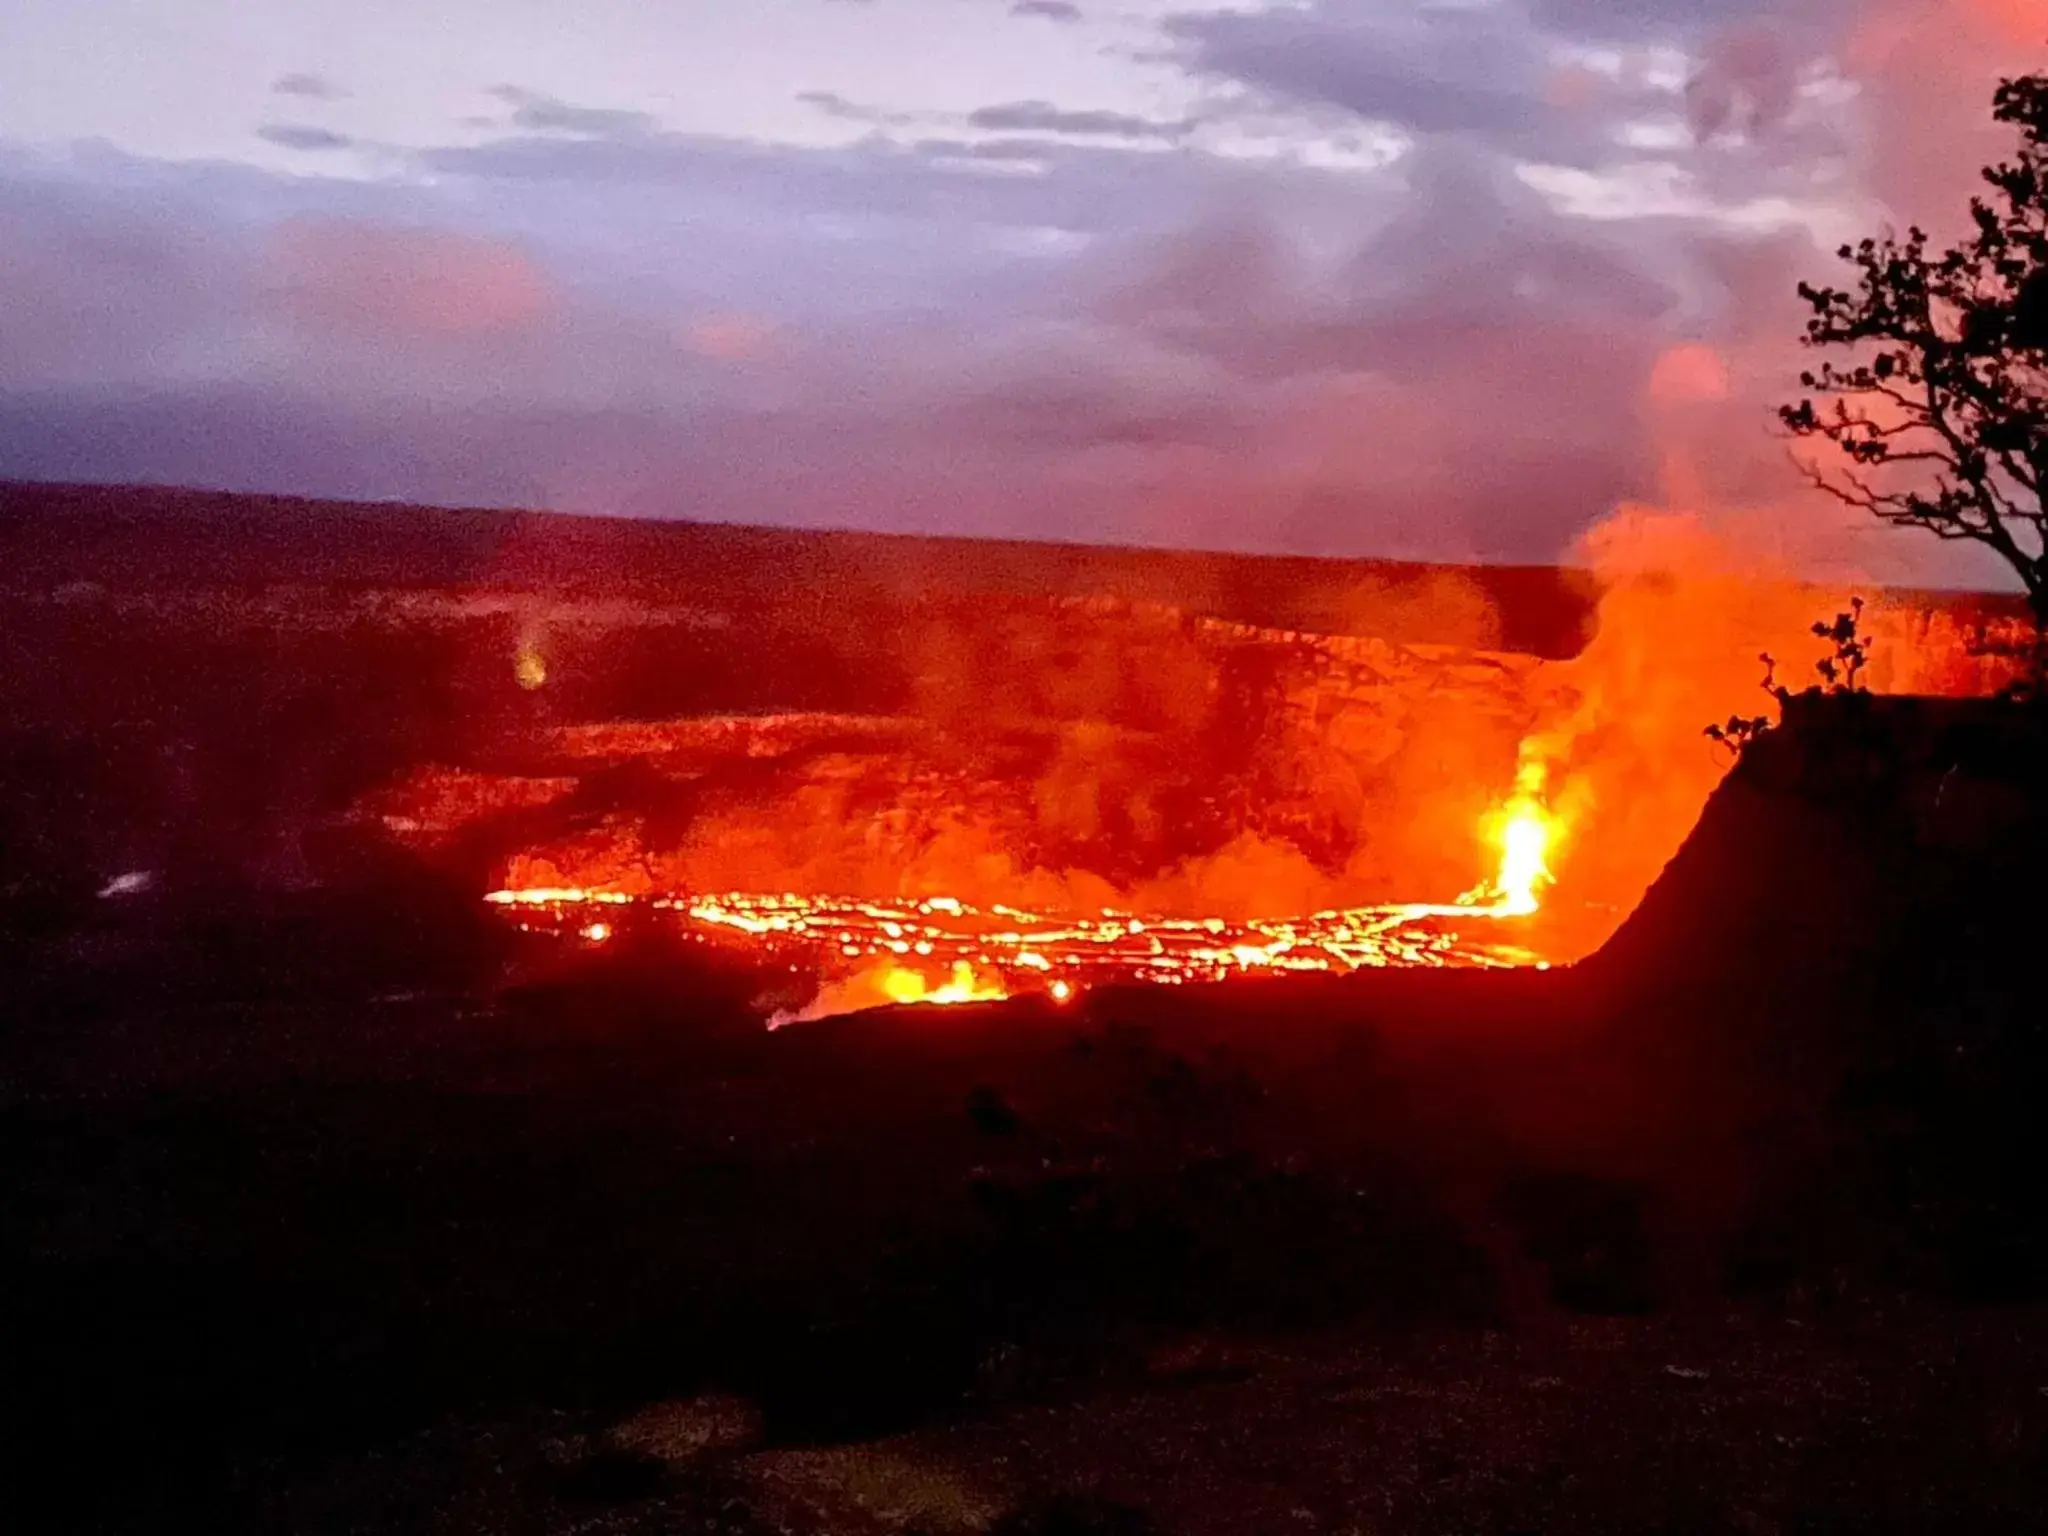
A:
(1436, 71)
(308, 87)
(109, 292)
(1679, 20)
(832, 104)
(1156, 381)
(731, 338)
(1051, 10)
(537, 112)
(887, 197)
(1547, 85)
(303, 136)
(1044, 117)
(1925, 67)
(342, 277)
(1140, 375)
(1035, 320)
(1746, 83)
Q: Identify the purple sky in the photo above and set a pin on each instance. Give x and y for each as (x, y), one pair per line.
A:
(1343, 276)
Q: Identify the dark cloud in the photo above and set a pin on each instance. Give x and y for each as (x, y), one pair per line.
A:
(1435, 71)
(832, 104)
(308, 87)
(1051, 10)
(1044, 117)
(1473, 247)
(537, 112)
(1639, 20)
(1745, 84)
(1465, 380)
(303, 136)
(102, 288)
(938, 197)
(1526, 84)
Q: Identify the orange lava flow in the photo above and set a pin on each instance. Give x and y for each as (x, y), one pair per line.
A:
(943, 951)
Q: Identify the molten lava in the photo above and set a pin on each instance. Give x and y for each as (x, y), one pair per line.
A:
(940, 950)
(1524, 831)
(904, 986)
(1522, 868)
(892, 984)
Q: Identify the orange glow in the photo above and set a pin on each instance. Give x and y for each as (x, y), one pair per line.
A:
(1522, 866)
(1524, 831)
(895, 954)
(2019, 20)
(890, 984)
(878, 949)
(904, 987)
(1690, 374)
(1023, 818)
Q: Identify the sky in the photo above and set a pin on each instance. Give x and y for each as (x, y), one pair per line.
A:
(1445, 280)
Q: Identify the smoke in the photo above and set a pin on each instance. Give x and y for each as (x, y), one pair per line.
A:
(1928, 68)
(1704, 602)
(1746, 85)
(1686, 615)
(1698, 588)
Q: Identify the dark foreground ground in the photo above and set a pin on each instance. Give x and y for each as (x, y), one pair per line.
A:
(939, 1274)
(327, 1212)
(1890, 1423)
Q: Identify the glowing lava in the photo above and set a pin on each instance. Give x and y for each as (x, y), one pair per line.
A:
(939, 950)
(1524, 831)
(904, 986)
(892, 985)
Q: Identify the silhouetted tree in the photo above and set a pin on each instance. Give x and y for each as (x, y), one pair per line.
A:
(1942, 415)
